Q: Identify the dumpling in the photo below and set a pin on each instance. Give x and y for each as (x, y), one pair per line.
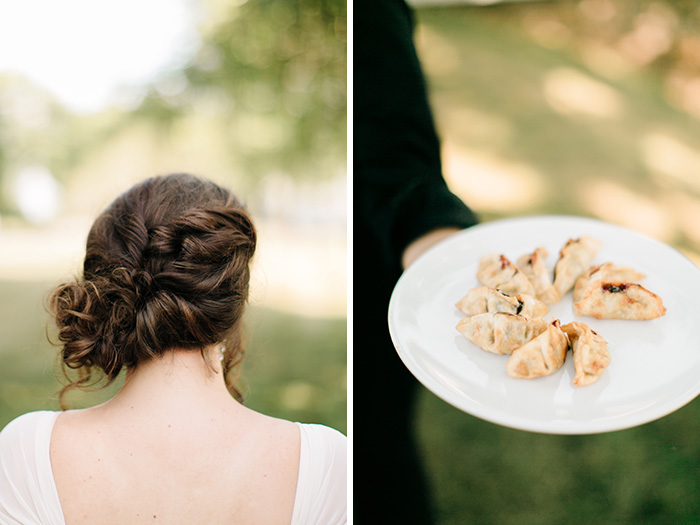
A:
(489, 300)
(620, 301)
(542, 356)
(607, 272)
(496, 271)
(574, 259)
(500, 333)
(591, 355)
(534, 267)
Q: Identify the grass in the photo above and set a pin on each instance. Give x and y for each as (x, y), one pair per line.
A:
(295, 366)
(484, 473)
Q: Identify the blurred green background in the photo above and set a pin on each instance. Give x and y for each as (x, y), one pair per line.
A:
(592, 108)
(249, 94)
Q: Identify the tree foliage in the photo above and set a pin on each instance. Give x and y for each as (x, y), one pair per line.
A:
(273, 74)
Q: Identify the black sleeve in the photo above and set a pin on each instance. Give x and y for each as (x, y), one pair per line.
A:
(399, 191)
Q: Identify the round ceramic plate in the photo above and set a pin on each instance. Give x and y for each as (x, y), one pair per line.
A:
(655, 367)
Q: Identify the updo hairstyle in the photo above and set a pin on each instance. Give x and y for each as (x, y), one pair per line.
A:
(166, 266)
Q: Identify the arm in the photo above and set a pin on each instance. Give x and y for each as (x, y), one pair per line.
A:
(399, 191)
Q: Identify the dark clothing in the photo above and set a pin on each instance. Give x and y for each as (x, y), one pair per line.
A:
(399, 194)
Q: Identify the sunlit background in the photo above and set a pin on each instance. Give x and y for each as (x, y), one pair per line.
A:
(585, 107)
(95, 96)
(589, 107)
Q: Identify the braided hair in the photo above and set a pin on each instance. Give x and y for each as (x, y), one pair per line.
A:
(167, 266)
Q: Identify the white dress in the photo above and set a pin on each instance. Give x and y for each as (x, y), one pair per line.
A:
(28, 493)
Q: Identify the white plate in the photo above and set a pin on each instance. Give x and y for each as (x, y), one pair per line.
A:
(655, 366)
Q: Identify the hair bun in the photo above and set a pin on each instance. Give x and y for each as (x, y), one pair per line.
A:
(90, 317)
(167, 265)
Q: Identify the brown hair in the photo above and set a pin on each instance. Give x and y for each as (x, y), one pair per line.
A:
(166, 266)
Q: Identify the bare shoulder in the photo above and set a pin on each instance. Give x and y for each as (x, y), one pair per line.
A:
(246, 459)
(70, 419)
(74, 444)
(270, 431)
(70, 426)
(274, 424)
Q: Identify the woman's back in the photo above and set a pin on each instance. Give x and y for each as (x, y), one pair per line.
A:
(206, 467)
(248, 483)
(174, 445)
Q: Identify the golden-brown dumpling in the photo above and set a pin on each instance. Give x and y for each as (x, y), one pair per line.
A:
(489, 300)
(500, 333)
(542, 356)
(533, 265)
(607, 272)
(574, 259)
(591, 355)
(496, 271)
(620, 301)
